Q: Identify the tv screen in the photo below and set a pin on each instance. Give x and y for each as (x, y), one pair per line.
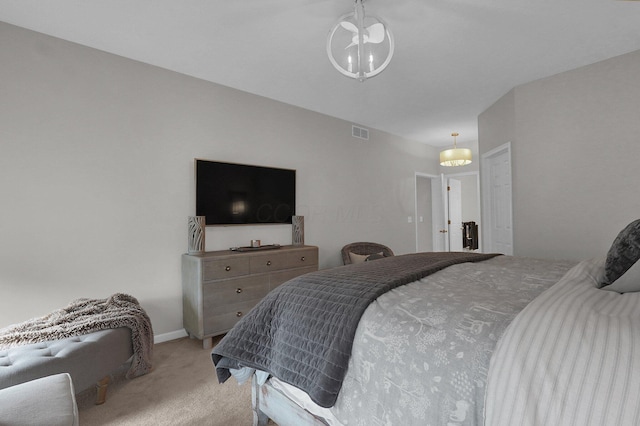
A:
(237, 194)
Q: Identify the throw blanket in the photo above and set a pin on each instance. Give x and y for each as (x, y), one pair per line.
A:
(84, 316)
(302, 332)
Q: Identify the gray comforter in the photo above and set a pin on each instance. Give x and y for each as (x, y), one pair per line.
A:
(302, 332)
(421, 353)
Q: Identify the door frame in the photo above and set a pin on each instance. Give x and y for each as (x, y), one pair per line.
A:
(487, 196)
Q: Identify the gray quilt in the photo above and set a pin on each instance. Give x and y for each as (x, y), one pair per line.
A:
(302, 332)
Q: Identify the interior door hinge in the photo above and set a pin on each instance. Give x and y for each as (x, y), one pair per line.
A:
(448, 188)
(449, 222)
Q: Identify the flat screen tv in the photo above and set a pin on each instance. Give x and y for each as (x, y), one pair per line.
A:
(237, 194)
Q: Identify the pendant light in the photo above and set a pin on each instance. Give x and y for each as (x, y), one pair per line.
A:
(455, 156)
(360, 46)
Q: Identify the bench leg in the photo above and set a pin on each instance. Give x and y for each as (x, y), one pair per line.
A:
(101, 387)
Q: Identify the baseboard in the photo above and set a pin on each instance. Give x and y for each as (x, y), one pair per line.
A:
(173, 335)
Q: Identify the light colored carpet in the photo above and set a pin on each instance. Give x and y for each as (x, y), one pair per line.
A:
(182, 389)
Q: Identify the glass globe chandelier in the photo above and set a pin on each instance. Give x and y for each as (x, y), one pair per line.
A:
(360, 46)
(455, 156)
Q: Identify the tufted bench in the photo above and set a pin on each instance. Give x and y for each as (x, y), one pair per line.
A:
(88, 359)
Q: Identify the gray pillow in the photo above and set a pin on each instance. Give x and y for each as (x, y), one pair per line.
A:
(623, 254)
(629, 282)
(374, 256)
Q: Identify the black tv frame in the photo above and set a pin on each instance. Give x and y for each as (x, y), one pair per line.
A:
(241, 194)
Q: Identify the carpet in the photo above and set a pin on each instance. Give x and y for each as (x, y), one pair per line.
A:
(182, 389)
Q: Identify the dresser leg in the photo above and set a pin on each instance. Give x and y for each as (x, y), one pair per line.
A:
(207, 343)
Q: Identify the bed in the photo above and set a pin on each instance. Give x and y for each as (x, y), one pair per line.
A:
(495, 340)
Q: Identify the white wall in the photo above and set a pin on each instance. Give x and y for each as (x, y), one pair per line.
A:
(575, 152)
(96, 176)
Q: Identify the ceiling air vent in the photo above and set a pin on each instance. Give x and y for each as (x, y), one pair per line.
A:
(360, 132)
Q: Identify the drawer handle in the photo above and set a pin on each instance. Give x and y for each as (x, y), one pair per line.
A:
(228, 268)
(238, 290)
(268, 263)
(238, 314)
(302, 258)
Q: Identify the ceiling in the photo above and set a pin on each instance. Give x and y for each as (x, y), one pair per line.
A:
(453, 58)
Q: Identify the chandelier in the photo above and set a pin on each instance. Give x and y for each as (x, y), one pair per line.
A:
(455, 156)
(360, 46)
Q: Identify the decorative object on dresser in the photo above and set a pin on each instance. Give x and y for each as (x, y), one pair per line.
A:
(297, 230)
(219, 287)
(196, 234)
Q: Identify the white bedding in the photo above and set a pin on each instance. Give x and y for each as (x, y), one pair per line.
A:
(572, 357)
(304, 401)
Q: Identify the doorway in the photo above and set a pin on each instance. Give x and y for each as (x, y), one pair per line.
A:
(453, 198)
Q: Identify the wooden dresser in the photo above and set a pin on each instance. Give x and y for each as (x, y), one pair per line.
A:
(219, 287)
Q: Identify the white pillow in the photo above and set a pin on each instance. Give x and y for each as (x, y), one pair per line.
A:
(360, 258)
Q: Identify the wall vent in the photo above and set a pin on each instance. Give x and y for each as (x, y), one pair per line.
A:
(360, 132)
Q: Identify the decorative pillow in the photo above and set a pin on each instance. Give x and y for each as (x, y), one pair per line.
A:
(374, 256)
(629, 282)
(360, 258)
(623, 254)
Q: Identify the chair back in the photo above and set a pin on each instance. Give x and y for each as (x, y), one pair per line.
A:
(364, 249)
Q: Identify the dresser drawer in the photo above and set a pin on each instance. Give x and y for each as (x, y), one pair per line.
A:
(282, 277)
(223, 293)
(218, 321)
(286, 259)
(300, 258)
(217, 269)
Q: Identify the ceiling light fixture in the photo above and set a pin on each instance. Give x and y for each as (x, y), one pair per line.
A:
(455, 156)
(360, 46)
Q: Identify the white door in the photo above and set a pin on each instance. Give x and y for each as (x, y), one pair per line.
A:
(439, 214)
(497, 201)
(454, 191)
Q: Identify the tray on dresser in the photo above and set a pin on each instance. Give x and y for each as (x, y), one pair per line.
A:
(249, 248)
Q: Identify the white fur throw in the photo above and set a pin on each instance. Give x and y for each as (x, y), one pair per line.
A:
(84, 316)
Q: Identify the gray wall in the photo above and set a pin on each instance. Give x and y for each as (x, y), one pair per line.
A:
(96, 176)
(575, 153)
